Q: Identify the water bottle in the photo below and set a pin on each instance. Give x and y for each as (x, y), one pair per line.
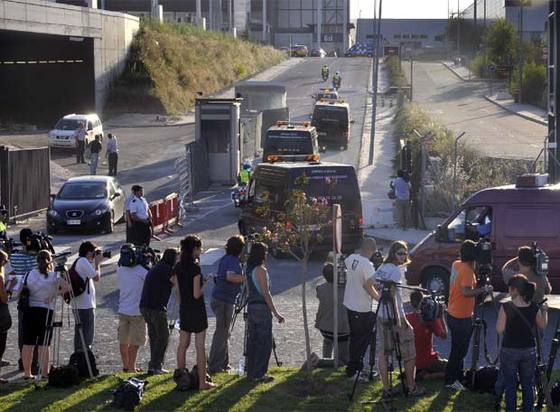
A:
(241, 367)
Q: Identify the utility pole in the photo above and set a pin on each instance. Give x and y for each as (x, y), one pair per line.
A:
(458, 29)
(198, 13)
(375, 81)
(411, 74)
(345, 4)
(520, 52)
(264, 37)
(319, 22)
(553, 90)
(475, 10)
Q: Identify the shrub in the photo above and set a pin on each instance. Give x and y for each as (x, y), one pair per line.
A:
(534, 84)
(397, 77)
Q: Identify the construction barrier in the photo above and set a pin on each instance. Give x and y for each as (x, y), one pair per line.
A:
(165, 213)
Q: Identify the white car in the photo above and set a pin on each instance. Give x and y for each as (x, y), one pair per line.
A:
(64, 133)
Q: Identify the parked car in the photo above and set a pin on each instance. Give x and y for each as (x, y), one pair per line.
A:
(335, 182)
(359, 50)
(63, 134)
(332, 53)
(318, 53)
(299, 50)
(514, 215)
(87, 202)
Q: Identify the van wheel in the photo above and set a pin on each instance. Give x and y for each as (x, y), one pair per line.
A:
(436, 279)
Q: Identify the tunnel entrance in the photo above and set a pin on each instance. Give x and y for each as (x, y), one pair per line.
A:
(44, 77)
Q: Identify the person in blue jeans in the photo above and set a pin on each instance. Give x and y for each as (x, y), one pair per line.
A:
(260, 309)
(228, 286)
(518, 321)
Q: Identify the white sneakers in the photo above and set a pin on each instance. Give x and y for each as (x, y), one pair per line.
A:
(456, 386)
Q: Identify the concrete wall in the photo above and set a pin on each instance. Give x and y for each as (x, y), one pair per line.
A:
(112, 33)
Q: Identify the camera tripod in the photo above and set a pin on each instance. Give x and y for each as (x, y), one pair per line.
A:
(54, 325)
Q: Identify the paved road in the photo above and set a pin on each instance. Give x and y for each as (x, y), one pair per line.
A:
(144, 162)
(460, 106)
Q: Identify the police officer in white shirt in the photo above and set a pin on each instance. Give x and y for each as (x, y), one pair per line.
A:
(141, 218)
(358, 299)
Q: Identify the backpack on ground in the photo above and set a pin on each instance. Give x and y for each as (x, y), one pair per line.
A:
(484, 379)
(77, 283)
(64, 376)
(128, 394)
(555, 394)
(78, 360)
(183, 380)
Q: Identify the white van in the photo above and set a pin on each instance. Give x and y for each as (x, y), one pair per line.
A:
(64, 133)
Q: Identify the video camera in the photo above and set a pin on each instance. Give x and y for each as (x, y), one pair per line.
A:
(540, 259)
(483, 256)
(60, 260)
(40, 241)
(106, 253)
(377, 258)
(132, 256)
(432, 307)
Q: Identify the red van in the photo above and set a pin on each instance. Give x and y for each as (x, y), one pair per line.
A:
(510, 216)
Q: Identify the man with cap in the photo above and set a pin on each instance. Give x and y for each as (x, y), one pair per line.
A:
(140, 218)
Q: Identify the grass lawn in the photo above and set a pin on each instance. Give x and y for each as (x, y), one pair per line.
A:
(288, 392)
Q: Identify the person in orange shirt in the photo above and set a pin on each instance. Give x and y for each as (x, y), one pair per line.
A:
(462, 296)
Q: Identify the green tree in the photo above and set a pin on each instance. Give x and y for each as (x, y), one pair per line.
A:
(297, 231)
(470, 35)
(500, 42)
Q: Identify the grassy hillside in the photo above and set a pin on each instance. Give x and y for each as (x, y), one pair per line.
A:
(170, 63)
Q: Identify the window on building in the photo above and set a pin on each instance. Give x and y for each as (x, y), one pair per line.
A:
(439, 37)
(406, 36)
(397, 36)
(415, 36)
(423, 36)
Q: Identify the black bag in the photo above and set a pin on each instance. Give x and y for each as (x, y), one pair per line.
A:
(555, 394)
(78, 360)
(23, 301)
(391, 194)
(77, 283)
(128, 394)
(484, 379)
(183, 380)
(64, 376)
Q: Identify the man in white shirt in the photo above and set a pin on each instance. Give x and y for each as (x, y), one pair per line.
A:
(141, 218)
(358, 299)
(132, 327)
(80, 142)
(88, 268)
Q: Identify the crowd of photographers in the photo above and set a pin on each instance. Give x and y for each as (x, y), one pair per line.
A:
(148, 284)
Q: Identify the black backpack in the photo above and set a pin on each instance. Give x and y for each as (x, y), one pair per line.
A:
(183, 380)
(64, 376)
(77, 283)
(484, 379)
(78, 360)
(128, 394)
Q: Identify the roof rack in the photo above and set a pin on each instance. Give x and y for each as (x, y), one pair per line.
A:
(279, 123)
(332, 101)
(293, 158)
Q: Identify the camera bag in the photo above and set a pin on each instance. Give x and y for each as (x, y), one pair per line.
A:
(64, 376)
(78, 360)
(555, 394)
(128, 394)
(77, 283)
(484, 379)
(183, 380)
(23, 300)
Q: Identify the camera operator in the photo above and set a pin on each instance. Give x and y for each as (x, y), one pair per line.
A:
(392, 271)
(517, 320)
(5, 317)
(153, 306)
(132, 326)
(87, 266)
(429, 365)
(462, 297)
(22, 262)
(228, 286)
(524, 263)
(42, 284)
(324, 319)
(358, 296)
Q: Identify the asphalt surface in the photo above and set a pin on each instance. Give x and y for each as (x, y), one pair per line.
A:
(460, 106)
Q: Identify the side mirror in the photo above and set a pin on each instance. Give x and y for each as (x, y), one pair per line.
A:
(441, 233)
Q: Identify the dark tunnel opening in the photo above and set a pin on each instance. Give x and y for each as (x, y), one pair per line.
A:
(44, 77)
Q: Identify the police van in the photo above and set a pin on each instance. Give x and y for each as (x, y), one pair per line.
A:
(326, 93)
(291, 141)
(331, 118)
(335, 182)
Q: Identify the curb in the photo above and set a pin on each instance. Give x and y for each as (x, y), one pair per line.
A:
(526, 117)
(474, 79)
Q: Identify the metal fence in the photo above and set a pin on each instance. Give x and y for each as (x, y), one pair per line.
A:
(199, 166)
(25, 181)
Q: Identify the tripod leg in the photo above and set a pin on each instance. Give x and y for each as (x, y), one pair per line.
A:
(278, 363)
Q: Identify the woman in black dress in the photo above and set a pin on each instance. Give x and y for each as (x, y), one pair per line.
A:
(192, 310)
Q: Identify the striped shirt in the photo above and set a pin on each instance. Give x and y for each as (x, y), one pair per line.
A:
(23, 263)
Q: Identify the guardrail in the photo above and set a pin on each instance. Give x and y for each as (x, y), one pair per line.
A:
(165, 214)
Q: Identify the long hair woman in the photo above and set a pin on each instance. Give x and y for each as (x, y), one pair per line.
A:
(5, 318)
(260, 309)
(518, 321)
(192, 310)
(43, 287)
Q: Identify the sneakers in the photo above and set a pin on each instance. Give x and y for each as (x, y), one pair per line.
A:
(157, 371)
(456, 386)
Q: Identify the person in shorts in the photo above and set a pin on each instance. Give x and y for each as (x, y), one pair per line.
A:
(132, 326)
(391, 272)
(429, 365)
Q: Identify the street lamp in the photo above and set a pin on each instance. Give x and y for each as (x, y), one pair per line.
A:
(455, 149)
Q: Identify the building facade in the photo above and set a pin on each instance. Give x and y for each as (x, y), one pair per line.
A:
(404, 33)
(314, 23)
(532, 23)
